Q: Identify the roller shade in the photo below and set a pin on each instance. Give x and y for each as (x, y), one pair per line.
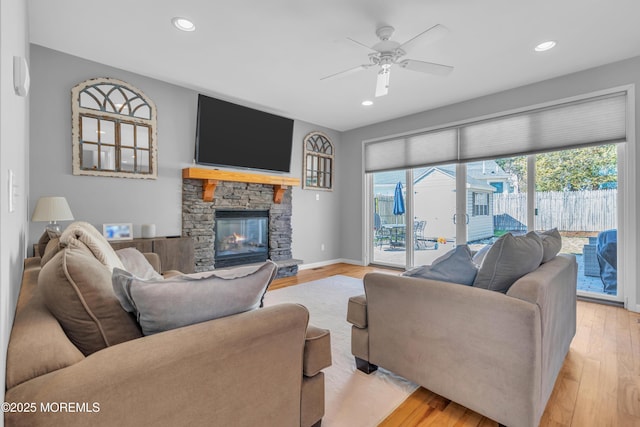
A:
(412, 151)
(593, 121)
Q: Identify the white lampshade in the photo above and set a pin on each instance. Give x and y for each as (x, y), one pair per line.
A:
(52, 209)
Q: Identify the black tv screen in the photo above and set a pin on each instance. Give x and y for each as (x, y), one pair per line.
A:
(228, 134)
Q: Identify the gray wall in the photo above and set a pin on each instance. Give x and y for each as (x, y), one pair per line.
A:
(101, 200)
(14, 149)
(604, 77)
(315, 222)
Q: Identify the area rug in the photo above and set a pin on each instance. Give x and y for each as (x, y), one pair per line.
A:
(352, 398)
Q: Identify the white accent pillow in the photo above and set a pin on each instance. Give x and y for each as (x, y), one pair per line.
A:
(160, 305)
(508, 259)
(137, 264)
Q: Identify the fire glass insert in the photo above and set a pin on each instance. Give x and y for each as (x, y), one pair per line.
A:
(242, 237)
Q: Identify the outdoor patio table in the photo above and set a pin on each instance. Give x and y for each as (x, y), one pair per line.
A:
(396, 234)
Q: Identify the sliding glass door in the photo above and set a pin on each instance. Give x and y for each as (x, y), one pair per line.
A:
(576, 191)
(388, 234)
(434, 210)
(475, 203)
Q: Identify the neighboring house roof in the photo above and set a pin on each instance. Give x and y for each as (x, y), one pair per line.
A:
(389, 179)
(474, 184)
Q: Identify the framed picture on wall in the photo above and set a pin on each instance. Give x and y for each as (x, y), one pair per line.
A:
(120, 231)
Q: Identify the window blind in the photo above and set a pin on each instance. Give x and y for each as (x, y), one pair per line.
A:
(592, 121)
(412, 151)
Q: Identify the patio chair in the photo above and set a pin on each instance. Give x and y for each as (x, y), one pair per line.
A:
(418, 234)
(607, 253)
(381, 234)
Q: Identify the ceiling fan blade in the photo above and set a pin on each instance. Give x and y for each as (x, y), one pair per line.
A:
(426, 67)
(361, 44)
(427, 36)
(347, 72)
(382, 84)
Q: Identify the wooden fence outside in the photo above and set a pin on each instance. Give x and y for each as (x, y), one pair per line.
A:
(593, 210)
(384, 206)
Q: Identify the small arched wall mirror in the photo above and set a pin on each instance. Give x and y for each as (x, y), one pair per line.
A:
(114, 130)
(318, 162)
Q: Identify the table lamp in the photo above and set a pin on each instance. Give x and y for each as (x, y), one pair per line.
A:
(52, 209)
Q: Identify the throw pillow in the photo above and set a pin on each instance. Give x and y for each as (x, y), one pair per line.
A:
(84, 235)
(77, 290)
(52, 248)
(507, 260)
(185, 300)
(136, 263)
(456, 266)
(551, 244)
(478, 257)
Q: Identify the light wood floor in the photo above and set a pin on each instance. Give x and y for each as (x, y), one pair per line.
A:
(598, 385)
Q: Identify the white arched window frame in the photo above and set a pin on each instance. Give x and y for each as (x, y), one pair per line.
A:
(318, 162)
(114, 130)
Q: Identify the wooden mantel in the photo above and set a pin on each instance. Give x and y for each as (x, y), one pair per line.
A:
(211, 177)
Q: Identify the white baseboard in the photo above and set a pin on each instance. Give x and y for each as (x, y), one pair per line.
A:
(329, 262)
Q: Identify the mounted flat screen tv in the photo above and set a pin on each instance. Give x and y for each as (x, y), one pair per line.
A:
(228, 134)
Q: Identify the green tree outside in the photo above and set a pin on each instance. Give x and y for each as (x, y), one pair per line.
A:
(590, 168)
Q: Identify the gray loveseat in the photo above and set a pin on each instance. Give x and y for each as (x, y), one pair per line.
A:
(497, 354)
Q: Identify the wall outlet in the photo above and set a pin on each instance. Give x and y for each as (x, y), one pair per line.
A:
(322, 247)
(317, 196)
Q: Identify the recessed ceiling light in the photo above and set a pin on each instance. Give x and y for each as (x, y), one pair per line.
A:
(367, 103)
(545, 46)
(183, 24)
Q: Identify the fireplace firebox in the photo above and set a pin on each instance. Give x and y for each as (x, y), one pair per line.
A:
(241, 237)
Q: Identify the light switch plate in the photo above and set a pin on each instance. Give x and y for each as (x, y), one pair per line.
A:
(11, 191)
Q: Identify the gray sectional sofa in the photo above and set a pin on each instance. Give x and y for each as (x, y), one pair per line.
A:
(496, 353)
(77, 358)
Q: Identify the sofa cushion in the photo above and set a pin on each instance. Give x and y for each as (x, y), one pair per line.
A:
(160, 305)
(77, 290)
(551, 244)
(507, 260)
(84, 235)
(38, 344)
(455, 266)
(137, 264)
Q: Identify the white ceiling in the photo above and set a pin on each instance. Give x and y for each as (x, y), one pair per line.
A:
(271, 54)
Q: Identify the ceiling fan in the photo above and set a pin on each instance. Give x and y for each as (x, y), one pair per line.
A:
(387, 53)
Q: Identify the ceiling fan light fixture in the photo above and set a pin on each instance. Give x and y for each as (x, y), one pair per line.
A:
(382, 83)
(183, 24)
(550, 44)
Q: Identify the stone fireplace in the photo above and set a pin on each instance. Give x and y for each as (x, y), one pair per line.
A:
(202, 221)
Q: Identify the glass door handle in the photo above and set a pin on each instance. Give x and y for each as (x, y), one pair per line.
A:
(455, 218)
